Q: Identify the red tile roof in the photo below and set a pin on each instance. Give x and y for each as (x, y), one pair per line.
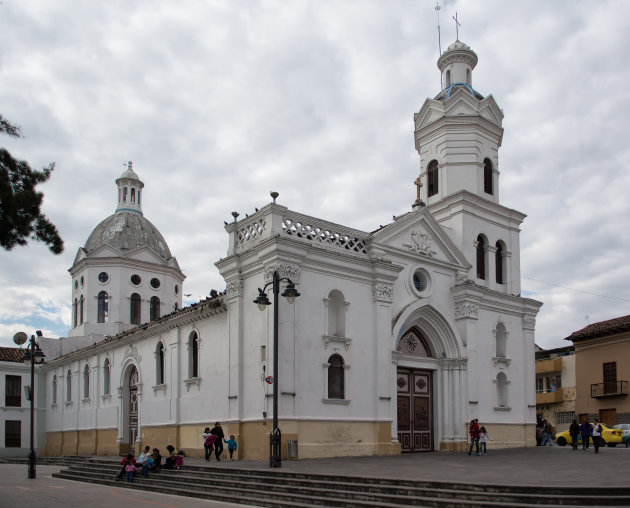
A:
(603, 328)
(11, 354)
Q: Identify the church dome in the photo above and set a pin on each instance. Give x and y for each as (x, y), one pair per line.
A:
(127, 231)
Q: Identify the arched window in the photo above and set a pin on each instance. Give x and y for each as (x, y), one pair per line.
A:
(54, 389)
(106, 377)
(75, 310)
(413, 343)
(133, 195)
(193, 355)
(448, 77)
(159, 364)
(468, 76)
(139, 198)
(125, 194)
(432, 178)
(481, 258)
(102, 307)
(134, 309)
(502, 390)
(487, 176)
(81, 300)
(86, 381)
(501, 340)
(154, 309)
(336, 314)
(335, 377)
(69, 386)
(499, 262)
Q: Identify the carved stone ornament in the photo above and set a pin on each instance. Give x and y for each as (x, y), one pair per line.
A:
(234, 288)
(466, 310)
(131, 352)
(384, 292)
(529, 323)
(421, 243)
(290, 271)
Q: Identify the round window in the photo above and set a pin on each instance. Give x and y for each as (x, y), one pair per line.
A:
(103, 277)
(155, 283)
(135, 279)
(419, 281)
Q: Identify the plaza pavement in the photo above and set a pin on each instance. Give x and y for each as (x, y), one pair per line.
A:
(542, 466)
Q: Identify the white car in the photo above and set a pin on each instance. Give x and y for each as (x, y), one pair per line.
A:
(625, 427)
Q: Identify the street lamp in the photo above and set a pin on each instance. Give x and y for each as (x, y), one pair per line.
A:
(290, 293)
(32, 355)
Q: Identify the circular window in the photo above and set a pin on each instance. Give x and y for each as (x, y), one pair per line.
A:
(82, 281)
(421, 282)
(176, 289)
(103, 277)
(135, 279)
(155, 283)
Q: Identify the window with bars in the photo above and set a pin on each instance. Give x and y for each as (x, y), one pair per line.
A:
(564, 417)
(13, 391)
(12, 434)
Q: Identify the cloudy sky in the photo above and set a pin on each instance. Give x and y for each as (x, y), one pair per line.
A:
(219, 102)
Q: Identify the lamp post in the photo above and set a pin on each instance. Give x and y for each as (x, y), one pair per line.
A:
(290, 293)
(32, 355)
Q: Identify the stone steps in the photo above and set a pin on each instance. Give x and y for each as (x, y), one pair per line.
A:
(281, 488)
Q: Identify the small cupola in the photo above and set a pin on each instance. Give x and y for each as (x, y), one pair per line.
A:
(129, 191)
(457, 64)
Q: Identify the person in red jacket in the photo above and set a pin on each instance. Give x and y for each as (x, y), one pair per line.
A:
(474, 436)
(128, 460)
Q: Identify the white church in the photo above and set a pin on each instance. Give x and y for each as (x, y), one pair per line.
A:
(399, 338)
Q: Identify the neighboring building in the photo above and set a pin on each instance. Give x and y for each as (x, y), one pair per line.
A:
(602, 365)
(15, 379)
(400, 336)
(555, 386)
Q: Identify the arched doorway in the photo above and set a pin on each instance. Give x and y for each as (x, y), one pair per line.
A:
(133, 409)
(414, 397)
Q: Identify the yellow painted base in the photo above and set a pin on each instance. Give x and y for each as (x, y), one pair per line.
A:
(314, 439)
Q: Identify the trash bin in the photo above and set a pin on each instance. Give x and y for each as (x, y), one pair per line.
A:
(292, 449)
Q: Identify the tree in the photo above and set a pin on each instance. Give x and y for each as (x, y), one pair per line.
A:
(20, 216)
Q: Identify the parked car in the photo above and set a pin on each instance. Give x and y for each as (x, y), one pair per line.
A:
(610, 436)
(625, 427)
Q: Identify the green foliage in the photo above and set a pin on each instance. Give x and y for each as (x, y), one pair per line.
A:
(20, 214)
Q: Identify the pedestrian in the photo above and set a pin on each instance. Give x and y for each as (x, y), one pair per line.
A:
(483, 437)
(574, 432)
(169, 462)
(218, 444)
(130, 469)
(596, 432)
(585, 432)
(129, 459)
(231, 445)
(474, 436)
(208, 442)
(547, 433)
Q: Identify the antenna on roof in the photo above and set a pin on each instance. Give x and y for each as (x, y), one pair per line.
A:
(437, 10)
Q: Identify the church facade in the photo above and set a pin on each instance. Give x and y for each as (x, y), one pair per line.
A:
(399, 337)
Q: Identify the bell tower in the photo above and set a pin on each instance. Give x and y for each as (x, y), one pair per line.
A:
(458, 134)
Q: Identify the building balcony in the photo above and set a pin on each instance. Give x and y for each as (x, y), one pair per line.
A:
(549, 397)
(601, 390)
(551, 365)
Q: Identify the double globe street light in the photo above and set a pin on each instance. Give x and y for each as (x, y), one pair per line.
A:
(32, 355)
(290, 293)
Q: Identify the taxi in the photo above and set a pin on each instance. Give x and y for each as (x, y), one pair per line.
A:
(610, 436)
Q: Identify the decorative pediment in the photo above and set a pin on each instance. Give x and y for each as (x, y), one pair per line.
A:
(419, 234)
(131, 352)
(292, 272)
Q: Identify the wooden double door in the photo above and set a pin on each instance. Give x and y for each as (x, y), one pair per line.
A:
(415, 410)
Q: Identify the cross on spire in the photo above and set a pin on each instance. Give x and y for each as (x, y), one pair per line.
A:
(457, 25)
